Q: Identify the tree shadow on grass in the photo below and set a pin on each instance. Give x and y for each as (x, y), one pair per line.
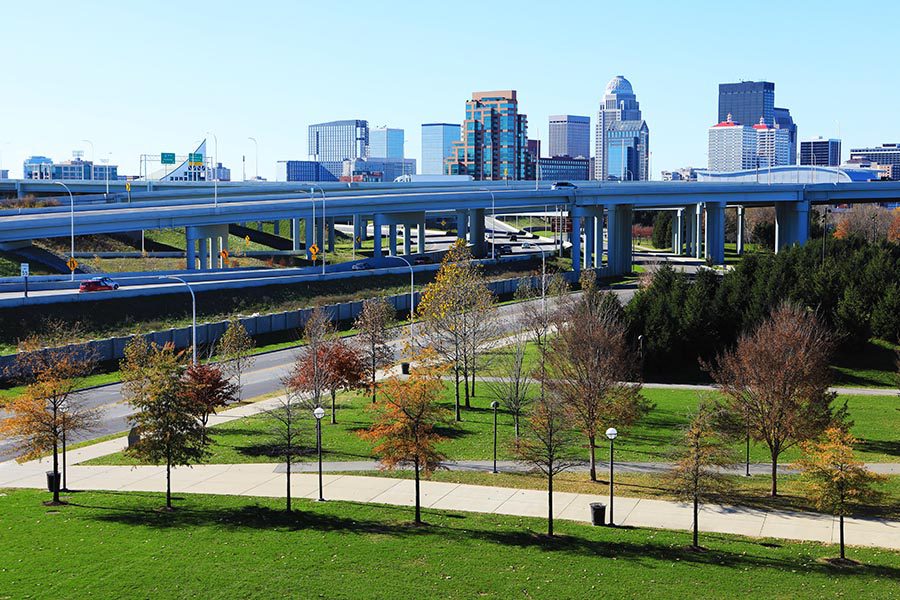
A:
(455, 527)
(891, 448)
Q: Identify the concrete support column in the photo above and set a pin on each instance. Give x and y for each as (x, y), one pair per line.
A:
(698, 231)
(331, 234)
(677, 226)
(407, 239)
(276, 227)
(204, 253)
(476, 232)
(576, 244)
(740, 230)
(715, 232)
(791, 224)
(357, 234)
(219, 245)
(588, 242)
(619, 253)
(259, 225)
(688, 218)
(392, 239)
(378, 222)
(190, 236)
(598, 240)
(421, 236)
(310, 235)
(462, 224)
(295, 235)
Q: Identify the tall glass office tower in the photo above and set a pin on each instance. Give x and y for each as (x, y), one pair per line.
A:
(570, 135)
(437, 146)
(339, 140)
(494, 140)
(749, 101)
(385, 142)
(620, 106)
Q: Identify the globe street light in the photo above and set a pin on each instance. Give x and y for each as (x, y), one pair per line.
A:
(193, 313)
(611, 433)
(495, 405)
(71, 226)
(318, 413)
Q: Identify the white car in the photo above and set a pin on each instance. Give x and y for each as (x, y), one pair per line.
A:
(529, 246)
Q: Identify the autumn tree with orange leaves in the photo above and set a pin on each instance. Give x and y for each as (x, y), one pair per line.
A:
(837, 480)
(340, 367)
(405, 421)
(50, 407)
(207, 389)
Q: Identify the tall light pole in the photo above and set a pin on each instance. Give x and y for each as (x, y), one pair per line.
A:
(611, 433)
(312, 190)
(71, 226)
(193, 313)
(412, 300)
(89, 142)
(256, 157)
(318, 413)
(105, 161)
(216, 170)
(493, 222)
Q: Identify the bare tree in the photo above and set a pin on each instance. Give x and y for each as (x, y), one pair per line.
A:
(309, 374)
(868, 221)
(547, 443)
(513, 384)
(698, 474)
(286, 419)
(235, 349)
(540, 307)
(372, 324)
(590, 364)
(777, 378)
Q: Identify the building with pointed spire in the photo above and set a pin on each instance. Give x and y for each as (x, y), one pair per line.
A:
(622, 136)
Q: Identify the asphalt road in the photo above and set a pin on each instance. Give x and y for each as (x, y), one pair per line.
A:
(264, 377)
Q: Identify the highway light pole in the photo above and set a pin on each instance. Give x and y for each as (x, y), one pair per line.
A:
(193, 313)
(71, 226)
(256, 157)
(412, 299)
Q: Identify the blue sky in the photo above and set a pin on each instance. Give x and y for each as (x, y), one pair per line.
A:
(155, 76)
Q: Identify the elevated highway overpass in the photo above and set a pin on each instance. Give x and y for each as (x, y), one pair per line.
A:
(699, 208)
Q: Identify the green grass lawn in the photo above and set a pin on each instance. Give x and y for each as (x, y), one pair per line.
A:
(876, 422)
(117, 545)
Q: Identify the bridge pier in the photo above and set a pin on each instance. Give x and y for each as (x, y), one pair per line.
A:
(698, 230)
(576, 243)
(619, 236)
(331, 234)
(421, 237)
(392, 239)
(791, 224)
(714, 234)
(358, 226)
(476, 232)
(677, 231)
(378, 224)
(212, 239)
(462, 225)
(589, 242)
(739, 246)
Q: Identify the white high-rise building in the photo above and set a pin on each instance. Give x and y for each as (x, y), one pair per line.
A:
(773, 145)
(732, 146)
(570, 135)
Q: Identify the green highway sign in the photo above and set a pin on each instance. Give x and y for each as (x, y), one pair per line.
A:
(195, 158)
(167, 158)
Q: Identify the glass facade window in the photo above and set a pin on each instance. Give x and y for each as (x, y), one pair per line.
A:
(338, 140)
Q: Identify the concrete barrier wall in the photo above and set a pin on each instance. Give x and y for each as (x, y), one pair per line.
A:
(209, 333)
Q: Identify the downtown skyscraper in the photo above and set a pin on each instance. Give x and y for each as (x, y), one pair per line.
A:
(749, 101)
(622, 142)
(437, 146)
(570, 135)
(494, 139)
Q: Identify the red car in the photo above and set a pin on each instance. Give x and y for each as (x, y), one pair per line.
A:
(98, 284)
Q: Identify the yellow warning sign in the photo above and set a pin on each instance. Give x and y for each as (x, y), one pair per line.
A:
(314, 249)
(72, 264)
(224, 254)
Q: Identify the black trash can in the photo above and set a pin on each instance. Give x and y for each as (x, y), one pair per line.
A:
(404, 367)
(53, 481)
(598, 514)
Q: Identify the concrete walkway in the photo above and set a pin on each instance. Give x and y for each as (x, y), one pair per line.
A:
(268, 480)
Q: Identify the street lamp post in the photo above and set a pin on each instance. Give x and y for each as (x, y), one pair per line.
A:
(495, 405)
(412, 299)
(318, 413)
(256, 157)
(71, 226)
(611, 433)
(543, 280)
(193, 313)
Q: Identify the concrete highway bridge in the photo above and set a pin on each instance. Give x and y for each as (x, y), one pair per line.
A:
(205, 213)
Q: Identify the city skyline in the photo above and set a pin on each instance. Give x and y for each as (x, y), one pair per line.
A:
(205, 100)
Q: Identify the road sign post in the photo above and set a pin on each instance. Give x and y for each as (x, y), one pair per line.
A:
(24, 270)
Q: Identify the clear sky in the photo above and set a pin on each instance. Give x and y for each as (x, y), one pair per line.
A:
(150, 77)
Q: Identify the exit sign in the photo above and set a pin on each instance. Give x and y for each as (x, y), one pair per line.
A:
(195, 158)
(167, 158)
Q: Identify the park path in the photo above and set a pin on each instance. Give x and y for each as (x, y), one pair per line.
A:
(268, 480)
